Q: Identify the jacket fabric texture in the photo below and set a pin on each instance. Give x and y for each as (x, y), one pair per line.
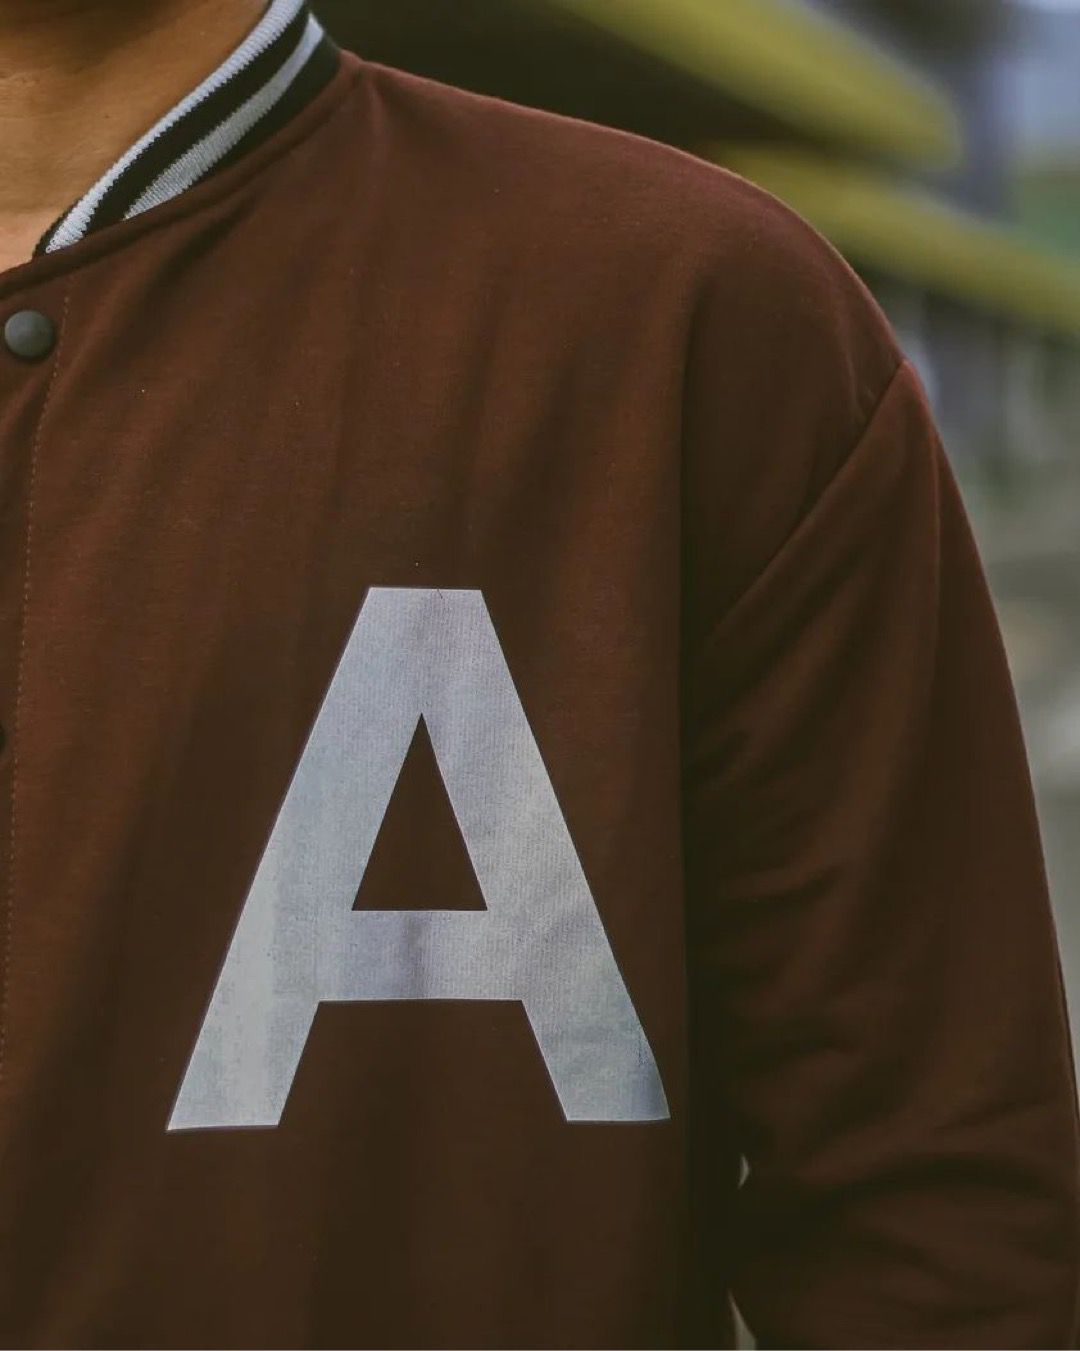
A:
(504, 722)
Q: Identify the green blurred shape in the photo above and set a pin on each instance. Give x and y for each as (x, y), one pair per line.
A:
(908, 233)
(793, 62)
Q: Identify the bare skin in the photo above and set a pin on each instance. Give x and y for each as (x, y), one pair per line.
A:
(80, 80)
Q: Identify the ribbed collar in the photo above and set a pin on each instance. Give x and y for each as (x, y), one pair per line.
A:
(278, 68)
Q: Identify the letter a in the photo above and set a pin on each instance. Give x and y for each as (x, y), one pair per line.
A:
(417, 653)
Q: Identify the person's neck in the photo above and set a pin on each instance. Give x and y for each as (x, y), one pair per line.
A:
(81, 80)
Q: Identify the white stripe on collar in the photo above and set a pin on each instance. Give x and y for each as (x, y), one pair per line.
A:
(195, 160)
(202, 157)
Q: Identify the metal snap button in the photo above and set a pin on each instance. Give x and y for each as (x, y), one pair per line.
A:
(29, 335)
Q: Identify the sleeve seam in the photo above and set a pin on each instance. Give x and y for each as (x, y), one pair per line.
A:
(902, 367)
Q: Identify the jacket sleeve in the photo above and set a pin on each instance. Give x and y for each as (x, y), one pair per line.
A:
(878, 1019)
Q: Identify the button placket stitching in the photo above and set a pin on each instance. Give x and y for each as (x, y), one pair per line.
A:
(9, 896)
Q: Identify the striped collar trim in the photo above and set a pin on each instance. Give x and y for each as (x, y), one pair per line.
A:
(277, 69)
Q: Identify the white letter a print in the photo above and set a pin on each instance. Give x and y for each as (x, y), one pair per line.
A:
(417, 653)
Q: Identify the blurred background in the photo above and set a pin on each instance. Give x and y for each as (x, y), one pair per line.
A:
(937, 144)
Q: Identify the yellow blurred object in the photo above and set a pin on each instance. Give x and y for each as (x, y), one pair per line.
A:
(912, 235)
(784, 58)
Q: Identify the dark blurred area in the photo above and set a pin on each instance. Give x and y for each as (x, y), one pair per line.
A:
(937, 144)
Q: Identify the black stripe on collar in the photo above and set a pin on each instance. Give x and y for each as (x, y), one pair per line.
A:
(278, 68)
